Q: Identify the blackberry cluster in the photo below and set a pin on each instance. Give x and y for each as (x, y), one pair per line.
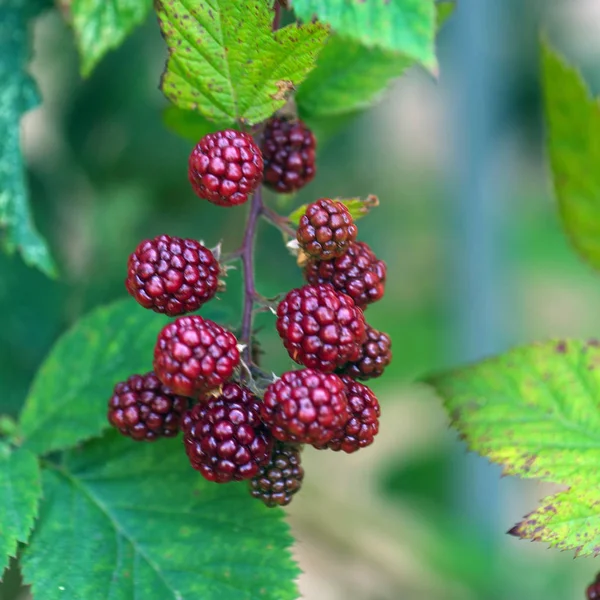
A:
(375, 356)
(225, 167)
(326, 229)
(358, 273)
(288, 149)
(277, 482)
(320, 327)
(305, 406)
(144, 409)
(238, 421)
(224, 437)
(172, 275)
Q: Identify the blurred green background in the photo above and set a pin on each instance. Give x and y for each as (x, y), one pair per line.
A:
(411, 517)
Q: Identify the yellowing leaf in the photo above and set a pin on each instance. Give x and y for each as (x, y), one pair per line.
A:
(536, 410)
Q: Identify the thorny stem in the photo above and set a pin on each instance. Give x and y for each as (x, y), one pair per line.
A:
(247, 256)
(246, 252)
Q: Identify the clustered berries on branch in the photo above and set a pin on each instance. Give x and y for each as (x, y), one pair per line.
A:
(238, 422)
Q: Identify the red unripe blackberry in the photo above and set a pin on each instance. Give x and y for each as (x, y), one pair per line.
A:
(363, 424)
(277, 482)
(225, 167)
(358, 273)
(193, 355)
(224, 437)
(288, 149)
(144, 409)
(320, 327)
(305, 406)
(375, 356)
(326, 229)
(172, 275)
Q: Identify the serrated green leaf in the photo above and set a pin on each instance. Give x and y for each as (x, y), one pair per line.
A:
(226, 63)
(124, 520)
(535, 410)
(18, 94)
(573, 144)
(568, 520)
(357, 206)
(20, 490)
(67, 402)
(348, 77)
(191, 125)
(404, 26)
(102, 25)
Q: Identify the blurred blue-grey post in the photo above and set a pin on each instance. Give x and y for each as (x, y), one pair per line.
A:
(470, 71)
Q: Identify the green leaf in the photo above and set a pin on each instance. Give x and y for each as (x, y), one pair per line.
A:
(573, 143)
(348, 77)
(357, 206)
(403, 26)
(20, 490)
(535, 410)
(18, 94)
(189, 124)
(444, 12)
(568, 520)
(226, 63)
(124, 520)
(102, 25)
(68, 400)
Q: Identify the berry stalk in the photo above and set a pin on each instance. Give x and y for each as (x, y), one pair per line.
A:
(247, 256)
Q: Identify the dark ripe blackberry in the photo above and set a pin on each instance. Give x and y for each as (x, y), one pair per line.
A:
(375, 356)
(593, 591)
(193, 355)
(305, 406)
(172, 275)
(277, 482)
(224, 437)
(288, 150)
(320, 327)
(363, 424)
(143, 408)
(225, 167)
(326, 229)
(358, 273)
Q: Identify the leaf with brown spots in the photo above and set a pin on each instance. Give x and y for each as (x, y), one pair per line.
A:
(226, 63)
(568, 520)
(536, 410)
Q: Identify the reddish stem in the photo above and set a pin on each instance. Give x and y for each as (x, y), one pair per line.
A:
(277, 17)
(247, 255)
(281, 222)
(246, 252)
